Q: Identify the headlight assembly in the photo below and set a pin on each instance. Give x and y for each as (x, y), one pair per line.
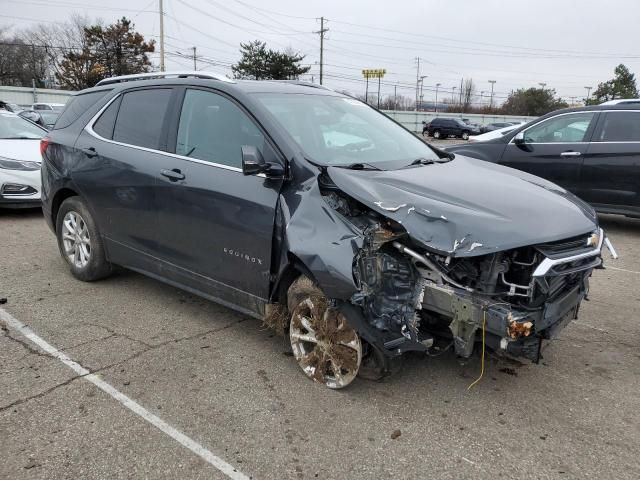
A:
(10, 164)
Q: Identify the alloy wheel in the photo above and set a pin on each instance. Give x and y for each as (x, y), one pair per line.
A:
(327, 349)
(76, 239)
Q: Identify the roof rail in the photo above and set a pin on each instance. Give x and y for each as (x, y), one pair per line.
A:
(153, 75)
(305, 84)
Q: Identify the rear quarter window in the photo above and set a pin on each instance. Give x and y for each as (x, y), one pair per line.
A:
(76, 106)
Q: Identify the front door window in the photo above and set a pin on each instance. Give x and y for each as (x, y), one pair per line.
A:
(561, 129)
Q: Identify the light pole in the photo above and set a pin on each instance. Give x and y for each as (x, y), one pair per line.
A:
(492, 82)
(453, 95)
(437, 87)
(542, 84)
(588, 89)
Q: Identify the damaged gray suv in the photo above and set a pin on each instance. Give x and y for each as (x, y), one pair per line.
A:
(317, 214)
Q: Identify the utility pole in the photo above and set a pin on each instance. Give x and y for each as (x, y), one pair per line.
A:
(453, 94)
(395, 96)
(492, 82)
(417, 81)
(322, 31)
(379, 93)
(588, 89)
(161, 37)
(437, 87)
(195, 65)
(422, 77)
(461, 90)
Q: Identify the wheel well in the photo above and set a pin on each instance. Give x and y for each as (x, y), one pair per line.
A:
(60, 197)
(294, 269)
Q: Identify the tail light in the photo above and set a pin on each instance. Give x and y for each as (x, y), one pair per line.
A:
(44, 143)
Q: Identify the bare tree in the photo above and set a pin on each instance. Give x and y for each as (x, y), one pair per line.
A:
(468, 93)
(20, 63)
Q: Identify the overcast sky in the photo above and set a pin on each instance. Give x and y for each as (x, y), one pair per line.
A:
(567, 44)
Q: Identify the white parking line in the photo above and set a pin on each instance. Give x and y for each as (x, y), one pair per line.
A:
(621, 269)
(132, 405)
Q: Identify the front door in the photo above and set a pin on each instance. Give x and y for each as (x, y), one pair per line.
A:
(611, 170)
(553, 149)
(216, 225)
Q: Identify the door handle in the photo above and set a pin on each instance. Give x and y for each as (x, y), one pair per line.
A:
(90, 152)
(570, 154)
(173, 175)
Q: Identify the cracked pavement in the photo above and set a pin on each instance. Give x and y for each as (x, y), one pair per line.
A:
(223, 379)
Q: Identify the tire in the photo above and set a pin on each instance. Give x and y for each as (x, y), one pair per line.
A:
(465, 135)
(326, 348)
(436, 134)
(80, 242)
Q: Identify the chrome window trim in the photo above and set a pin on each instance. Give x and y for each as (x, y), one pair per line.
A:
(548, 263)
(89, 129)
(511, 142)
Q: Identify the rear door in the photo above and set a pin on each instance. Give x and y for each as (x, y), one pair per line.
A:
(121, 154)
(611, 170)
(554, 149)
(215, 225)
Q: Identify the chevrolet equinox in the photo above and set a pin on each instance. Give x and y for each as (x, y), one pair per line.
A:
(319, 215)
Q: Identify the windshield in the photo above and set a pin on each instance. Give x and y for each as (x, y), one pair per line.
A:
(342, 131)
(12, 127)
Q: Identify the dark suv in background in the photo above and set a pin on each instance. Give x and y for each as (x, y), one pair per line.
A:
(594, 152)
(317, 214)
(451, 127)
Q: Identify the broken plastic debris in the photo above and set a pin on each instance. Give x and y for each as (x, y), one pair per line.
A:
(390, 209)
(473, 246)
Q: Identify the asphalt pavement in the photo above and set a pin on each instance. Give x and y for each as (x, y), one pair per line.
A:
(211, 385)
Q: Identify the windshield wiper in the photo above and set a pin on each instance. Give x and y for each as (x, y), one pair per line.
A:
(360, 166)
(422, 161)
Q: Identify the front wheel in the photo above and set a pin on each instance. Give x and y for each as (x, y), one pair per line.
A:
(465, 135)
(79, 241)
(327, 349)
(436, 134)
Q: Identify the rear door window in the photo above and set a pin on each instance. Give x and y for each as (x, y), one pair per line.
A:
(141, 117)
(620, 127)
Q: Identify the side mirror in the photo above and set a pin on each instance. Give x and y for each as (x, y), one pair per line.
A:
(253, 163)
(519, 138)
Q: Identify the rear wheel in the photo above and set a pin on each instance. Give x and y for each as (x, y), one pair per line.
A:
(465, 135)
(327, 349)
(79, 241)
(436, 134)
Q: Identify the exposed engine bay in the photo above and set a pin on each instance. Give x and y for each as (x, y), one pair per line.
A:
(512, 299)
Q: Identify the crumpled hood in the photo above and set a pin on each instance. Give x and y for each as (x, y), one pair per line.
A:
(468, 207)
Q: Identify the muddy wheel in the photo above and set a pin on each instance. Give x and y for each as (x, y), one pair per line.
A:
(327, 349)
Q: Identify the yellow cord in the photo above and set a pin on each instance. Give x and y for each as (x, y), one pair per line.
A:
(484, 322)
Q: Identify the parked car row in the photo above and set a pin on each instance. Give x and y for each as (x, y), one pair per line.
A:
(43, 114)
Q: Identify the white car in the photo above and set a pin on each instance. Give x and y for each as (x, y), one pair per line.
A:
(20, 161)
(493, 134)
(56, 107)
